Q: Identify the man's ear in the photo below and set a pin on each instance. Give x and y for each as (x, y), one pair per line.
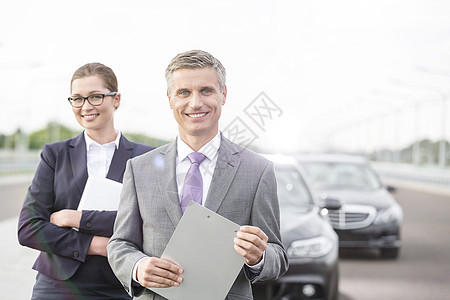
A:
(224, 94)
(170, 102)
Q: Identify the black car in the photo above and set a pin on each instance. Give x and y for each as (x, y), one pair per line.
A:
(369, 216)
(310, 241)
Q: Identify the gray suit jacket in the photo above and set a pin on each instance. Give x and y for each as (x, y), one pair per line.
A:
(243, 189)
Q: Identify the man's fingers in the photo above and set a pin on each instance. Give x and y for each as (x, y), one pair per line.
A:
(251, 257)
(250, 239)
(254, 231)
(157, 272)
(253, 235)
(242, 252)
(250, 242)
(158, 281)
(250, 246)
(166, 265)
(166, 276)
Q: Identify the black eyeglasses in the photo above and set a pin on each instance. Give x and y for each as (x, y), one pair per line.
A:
(94, 100)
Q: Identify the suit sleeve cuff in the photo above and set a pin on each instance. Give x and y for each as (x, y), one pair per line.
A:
(251, 272)
(135, 269)
(257, 268)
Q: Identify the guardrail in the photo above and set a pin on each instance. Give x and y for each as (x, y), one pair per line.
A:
(425, 179)
(430, 175)
(13, 163)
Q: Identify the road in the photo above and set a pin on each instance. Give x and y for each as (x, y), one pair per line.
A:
(423, 269)
(16, 275)
(12, 193)
(421, 272)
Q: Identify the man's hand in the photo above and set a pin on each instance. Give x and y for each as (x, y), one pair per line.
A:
(66, 218)
(159, 273)
(250, 242)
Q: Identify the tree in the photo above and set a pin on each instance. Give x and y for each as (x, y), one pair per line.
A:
(53, 132)
(143, 139)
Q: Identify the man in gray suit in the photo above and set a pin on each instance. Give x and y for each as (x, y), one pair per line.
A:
(236, 183)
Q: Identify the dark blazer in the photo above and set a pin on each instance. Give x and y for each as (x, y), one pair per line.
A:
(58, 184)
(243, 189)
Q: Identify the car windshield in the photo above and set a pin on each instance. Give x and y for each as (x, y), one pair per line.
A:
(330, 175)
(293, 194)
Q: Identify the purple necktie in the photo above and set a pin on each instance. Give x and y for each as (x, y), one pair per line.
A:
(193, 183)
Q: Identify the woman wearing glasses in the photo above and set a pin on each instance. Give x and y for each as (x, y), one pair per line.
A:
(72, 263)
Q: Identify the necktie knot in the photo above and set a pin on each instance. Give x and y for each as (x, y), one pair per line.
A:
(196, 157)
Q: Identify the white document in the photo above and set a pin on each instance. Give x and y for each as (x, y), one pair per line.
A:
(100, 194)
(203, 246)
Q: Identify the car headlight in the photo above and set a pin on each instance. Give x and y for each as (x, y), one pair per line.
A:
(315, 247)
(392, 214)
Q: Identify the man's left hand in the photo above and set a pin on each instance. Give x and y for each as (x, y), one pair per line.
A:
(250, 243)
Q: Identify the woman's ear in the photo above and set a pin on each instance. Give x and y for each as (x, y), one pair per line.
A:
(116, 102)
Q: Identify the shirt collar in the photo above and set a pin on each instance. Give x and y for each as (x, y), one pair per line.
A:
(90, 141)
(209, 150)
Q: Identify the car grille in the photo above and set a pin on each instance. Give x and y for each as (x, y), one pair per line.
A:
(352, 216)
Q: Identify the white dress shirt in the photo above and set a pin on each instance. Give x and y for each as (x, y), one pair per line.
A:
(99, 157)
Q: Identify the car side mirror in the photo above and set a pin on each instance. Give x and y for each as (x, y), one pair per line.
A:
(331, 204)
(391, 189)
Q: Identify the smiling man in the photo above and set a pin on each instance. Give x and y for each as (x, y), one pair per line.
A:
(200, 165)
(196, 98)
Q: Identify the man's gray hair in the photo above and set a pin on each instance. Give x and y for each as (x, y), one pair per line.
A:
(195, 59)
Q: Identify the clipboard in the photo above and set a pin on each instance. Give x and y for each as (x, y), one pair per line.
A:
(202, 244)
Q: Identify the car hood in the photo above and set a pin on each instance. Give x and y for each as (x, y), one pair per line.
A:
(299, 225)
(378, 198)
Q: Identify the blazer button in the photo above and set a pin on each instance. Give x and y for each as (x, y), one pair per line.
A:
(88, 225)
(76, 254)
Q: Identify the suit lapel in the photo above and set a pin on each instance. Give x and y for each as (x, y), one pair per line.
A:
(228, 161)
(166, 174)
(77, 155)
(119, 160)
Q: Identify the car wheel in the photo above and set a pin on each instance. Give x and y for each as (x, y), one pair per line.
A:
(334, 294)
(390, 252)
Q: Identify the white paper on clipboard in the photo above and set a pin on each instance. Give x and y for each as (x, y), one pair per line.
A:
(202, 244)
(100, 194)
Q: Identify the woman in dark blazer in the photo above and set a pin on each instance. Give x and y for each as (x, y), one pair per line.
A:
(72, 263)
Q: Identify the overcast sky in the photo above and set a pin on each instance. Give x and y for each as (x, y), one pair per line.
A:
(331, 67)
